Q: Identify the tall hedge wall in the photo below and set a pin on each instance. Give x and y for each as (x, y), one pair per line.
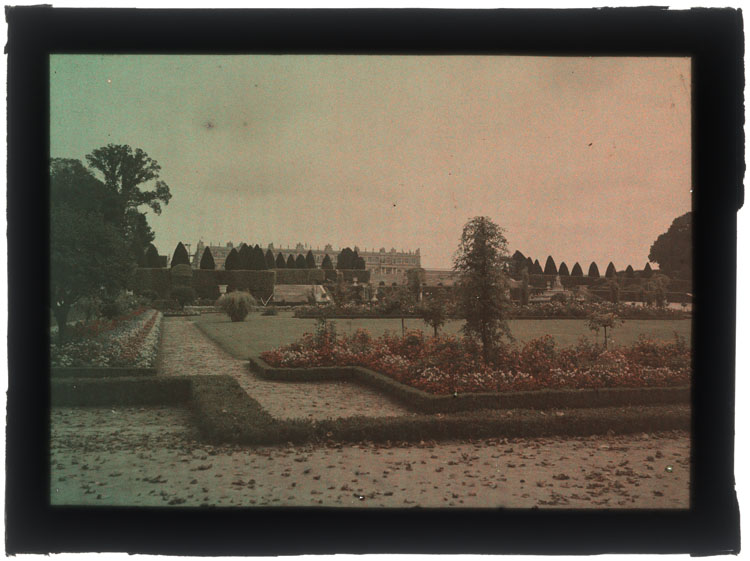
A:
(259, 283)
(363, 275)
(205, 283)
(152, 280)
(300, 276)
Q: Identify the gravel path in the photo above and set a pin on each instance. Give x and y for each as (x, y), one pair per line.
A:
(150, 457)
(187, 351)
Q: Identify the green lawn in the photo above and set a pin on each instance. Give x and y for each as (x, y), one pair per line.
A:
(261, 333)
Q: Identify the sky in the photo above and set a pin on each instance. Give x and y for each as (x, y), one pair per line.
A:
(585, 159)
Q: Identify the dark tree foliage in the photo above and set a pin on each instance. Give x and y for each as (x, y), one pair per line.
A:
(647, 272)
(142, 259)
(280, 263)
(152, 257)
(245, 257)
(270, 261)
(207, 261)
(326, 264)
(124, 172)
(300, 262)
(360, 264)
(563, 270)
(673, 250)
(614, 292)
(518, 256)
(537, 270)
(577, 271)
(89, 254)
(257, 259)
(310, 260)
(594, 270)
(290, 262)
(345, 259)
(629, 272)
(549, 267)
(232, 262)
(180, 256)
(529, 265)
(611, 272)
(482, 285)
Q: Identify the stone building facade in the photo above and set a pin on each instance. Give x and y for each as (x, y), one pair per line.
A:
(387, 266)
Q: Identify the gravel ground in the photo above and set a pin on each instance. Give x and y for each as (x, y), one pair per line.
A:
(151, 457)
(187, 351)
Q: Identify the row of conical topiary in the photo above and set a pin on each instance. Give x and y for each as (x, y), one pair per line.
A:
(534, 268)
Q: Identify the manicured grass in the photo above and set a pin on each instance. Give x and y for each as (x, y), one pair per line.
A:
(263, 333)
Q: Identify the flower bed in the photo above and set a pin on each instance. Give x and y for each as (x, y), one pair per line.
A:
(128, 341)
(446, 365)
(582, 310)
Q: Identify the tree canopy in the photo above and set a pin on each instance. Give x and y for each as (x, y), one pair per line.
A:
(647, 271)
(280, 262)
(629, 272)
(290, 262)
(482, 285)
(257, 259)
(207, 260)
(673, 250)
(577, 271)
(563, 270)
(594, 270)
(245, 258)
(152, 257)
(270, 261)
(611, 272)
(326, 264)
(345, 259)
(300, 262)
(537, 269)
(180, 256)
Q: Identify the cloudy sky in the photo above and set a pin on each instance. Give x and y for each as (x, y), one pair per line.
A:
(581, 158)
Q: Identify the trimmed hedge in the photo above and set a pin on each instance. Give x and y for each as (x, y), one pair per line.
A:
(87, 392)
(300, 276)
(152, 281)
(205, 283)
(100, 372)
(259, 283)
(363, 275)
(429, 403)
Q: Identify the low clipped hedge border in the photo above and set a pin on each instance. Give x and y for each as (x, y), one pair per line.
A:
(424, 402)
(100, 372)
(90, 392)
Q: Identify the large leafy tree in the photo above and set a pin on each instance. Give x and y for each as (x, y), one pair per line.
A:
(125, 171)
(89, 255)
(673, 250)
(482, 285)
(345, 259)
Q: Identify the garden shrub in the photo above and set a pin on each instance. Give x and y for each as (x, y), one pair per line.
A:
(270, 311)
(184, 295)
(259, 283)
(206, 283)
(181, 275)
(207, 260)
(236, 304)
(180, 256)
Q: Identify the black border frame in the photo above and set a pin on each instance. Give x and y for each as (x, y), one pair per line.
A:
(714, 40)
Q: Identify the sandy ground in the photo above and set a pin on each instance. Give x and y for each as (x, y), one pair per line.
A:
(187, 351)
(152, 457)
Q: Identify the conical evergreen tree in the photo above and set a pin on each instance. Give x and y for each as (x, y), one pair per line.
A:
(257, 259)
(594, 271)
(290, 262)
(310, 260)
(537, 268)
(245, 261)
(345, 259)
(232, 262)
(207, 260)
(326, 264)
(647, 272)
(270, 261)
(180, 256)
(529, 265)
(563, 270)
(549, 267)
(300, 263)
(611, 271)
(152, 257)
(577, 271)
(280, 262)
(629, 272)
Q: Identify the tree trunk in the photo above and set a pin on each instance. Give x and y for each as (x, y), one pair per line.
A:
(605, 336)
(61, 317)
(403, 329)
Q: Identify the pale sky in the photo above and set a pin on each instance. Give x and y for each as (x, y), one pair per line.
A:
(581, 158)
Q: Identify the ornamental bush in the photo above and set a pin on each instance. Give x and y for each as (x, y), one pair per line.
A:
(549, 266)
(326, 264)
(577, 271)
(594, 270)
(232, 262)
(300, 262)
(180, 256)
(290, 262)
(280, 262)
(563, 270)
(310, 260)
(236, 304)
(207, 261)
(270, 261)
